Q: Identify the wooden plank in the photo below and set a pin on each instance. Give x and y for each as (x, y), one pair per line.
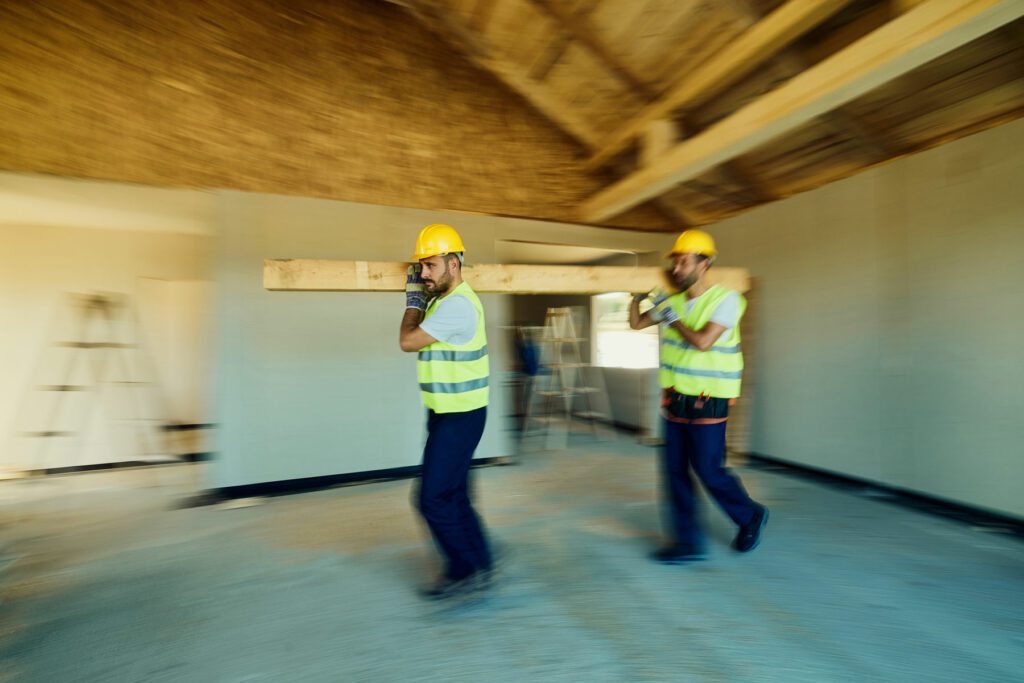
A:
(752, 48)
(922, 34)
(310, 275)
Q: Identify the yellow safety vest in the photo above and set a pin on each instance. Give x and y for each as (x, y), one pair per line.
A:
(454, 378)
(716, 372)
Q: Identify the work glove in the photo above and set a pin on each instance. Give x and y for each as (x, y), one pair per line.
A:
(666, 315)
(662, 311)
(415, 290)
(657, 296)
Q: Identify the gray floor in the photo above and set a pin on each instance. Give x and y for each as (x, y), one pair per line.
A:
(103, 580)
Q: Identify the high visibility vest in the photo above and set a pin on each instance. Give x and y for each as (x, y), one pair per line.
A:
(716, 372)
(454, 378)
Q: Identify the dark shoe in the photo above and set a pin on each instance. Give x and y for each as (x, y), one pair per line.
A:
(750, 534)
(678, 554)
(448, 587)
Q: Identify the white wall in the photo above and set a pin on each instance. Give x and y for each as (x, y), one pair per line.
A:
(891, 322)
(307, 384)
(59, 237)
(313, 384)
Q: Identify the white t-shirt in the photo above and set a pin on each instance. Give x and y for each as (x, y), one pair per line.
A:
(453, 321)
(726, 314)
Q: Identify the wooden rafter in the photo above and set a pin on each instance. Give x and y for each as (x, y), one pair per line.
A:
(553, 51)
(930, 30)
(797, 59)
(736, 171)
(744, 55)
(455, 30)
(450, 27)
(482, 11)
(576, 25)
(873, 19)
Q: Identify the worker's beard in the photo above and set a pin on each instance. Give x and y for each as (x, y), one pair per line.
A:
(439, 286)
(684, 282)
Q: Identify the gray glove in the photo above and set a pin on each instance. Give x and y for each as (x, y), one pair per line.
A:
(658, 296)
(664, 313)
(415, 290)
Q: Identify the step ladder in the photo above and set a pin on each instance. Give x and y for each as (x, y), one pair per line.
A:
(95, 364)
(565, 390)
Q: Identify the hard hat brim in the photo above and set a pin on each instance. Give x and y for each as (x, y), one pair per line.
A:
(669, 254)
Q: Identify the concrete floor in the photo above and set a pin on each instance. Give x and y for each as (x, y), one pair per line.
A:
(103, 579)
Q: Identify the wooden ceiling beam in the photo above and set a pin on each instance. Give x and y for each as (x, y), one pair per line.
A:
(483, 10)
(743, 55)
(576, 25)
(871, 20)
(736, 171)
(456, 31)
(477, 48)
(928, 31)
(842, 122)
(549, 55)
(553, 52)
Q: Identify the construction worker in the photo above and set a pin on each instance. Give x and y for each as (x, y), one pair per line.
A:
(444, 323)
(700, 370)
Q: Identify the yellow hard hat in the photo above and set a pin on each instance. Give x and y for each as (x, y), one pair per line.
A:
(694, 242)
(437, 238)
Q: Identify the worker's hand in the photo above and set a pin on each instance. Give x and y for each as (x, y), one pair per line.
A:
(666, 315)
(657, 296)
(415, 290)
(639, 297)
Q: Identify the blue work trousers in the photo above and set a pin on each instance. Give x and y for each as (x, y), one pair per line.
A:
(700, 448)
(443, 497)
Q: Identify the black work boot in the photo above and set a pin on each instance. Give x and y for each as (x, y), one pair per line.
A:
(447, 587)
(750, 534)
(678, 553)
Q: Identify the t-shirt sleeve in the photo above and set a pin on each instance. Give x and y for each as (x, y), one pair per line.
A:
(728, 312)
(453, 321)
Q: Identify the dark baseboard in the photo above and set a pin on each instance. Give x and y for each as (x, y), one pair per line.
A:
(290, 486)
(185, 426)
(967, 514)
(99, 466)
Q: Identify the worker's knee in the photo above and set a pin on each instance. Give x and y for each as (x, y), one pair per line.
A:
(429, 503)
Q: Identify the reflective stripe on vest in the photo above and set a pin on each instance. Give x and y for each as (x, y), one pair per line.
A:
(716, 348)
(716, 372)
(452, 355)
(454, 378)
(454, 387)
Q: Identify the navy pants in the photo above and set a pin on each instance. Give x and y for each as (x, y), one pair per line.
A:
(443, 498)
(700, 448)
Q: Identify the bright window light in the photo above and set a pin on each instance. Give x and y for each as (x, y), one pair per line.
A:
(615, 345)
